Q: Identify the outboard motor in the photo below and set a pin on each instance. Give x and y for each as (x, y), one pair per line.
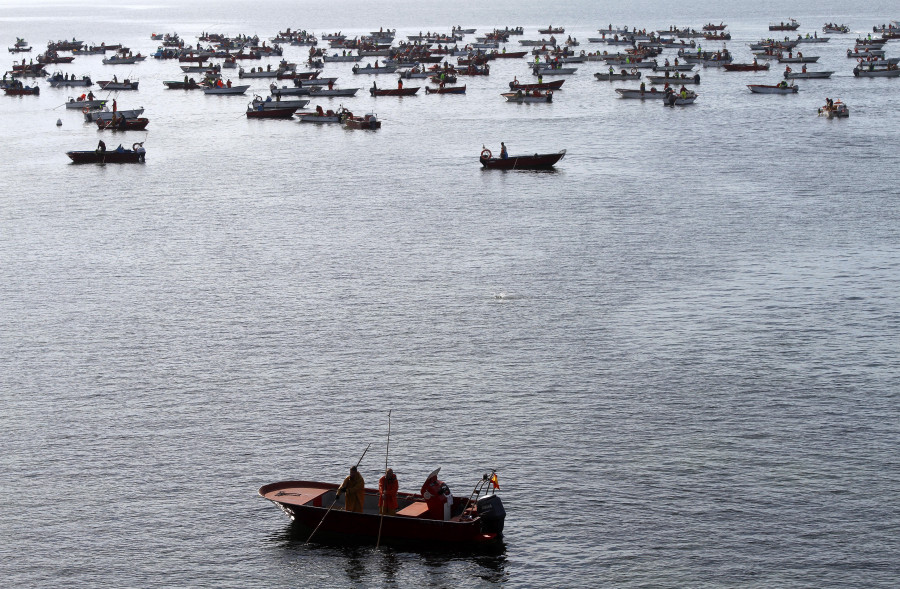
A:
(490, 510)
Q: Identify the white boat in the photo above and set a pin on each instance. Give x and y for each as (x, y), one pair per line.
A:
(799, 59)
(82, 105)
(524, 96)
(652, 94)
(106, 114)
(259, 73)
(782, 88)
(332, 92)
(891, 71)
(535, 43)
(806, 75)
(553, 71)
(116, 85)
(225, 90)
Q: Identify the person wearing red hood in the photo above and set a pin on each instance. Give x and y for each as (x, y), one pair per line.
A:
(438, 497)
(388, 486)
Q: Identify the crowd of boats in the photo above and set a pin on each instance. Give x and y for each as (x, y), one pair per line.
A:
(630, 54)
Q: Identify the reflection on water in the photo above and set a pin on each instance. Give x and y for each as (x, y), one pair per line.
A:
(391, 564)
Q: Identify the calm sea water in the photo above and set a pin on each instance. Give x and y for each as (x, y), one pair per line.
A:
(679, 350)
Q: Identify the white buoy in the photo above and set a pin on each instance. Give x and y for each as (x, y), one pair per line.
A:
(59, 122)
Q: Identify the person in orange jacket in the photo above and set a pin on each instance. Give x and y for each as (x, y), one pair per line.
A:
(388, 485)
(354, 487)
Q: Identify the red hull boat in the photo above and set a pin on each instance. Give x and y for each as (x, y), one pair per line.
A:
(271, 113)
(446, 90)
(22, 91)
(123, 124)
(538, 161)
(555, 85)
(745, 67)
(311, 505)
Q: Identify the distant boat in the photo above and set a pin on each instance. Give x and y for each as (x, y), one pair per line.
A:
(536, 161)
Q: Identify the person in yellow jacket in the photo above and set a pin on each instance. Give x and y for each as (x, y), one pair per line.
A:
(354, 487)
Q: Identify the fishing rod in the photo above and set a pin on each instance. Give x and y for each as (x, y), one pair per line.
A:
(383, 499)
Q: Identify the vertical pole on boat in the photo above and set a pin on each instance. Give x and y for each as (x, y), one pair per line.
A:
(335, 500)
(386, 452)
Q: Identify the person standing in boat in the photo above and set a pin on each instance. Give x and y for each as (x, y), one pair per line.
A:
(388, 485)
(354, 487)
(438, 497)
(503, 153)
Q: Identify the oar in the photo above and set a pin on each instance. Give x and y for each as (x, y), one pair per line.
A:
(335, 500)
(386, 452)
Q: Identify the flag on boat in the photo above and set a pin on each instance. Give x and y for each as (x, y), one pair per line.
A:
(494, 481)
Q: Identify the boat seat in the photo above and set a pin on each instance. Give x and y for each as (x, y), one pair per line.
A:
(415, 509)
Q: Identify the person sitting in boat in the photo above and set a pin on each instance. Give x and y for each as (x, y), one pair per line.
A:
(388, 485)
(503, 153)
(438, 497)
(354, 487)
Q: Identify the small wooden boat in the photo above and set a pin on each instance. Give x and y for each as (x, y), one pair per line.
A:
(873, 72)
(552, 31)
(260, 112)
(683, 98)
(225, 90)
(137, 154)
(554, 85)
(538, 161)
(393, 91)
(639, 94)
(782, 88)
(476, 521)
(259, 103)
(446, 90)
(370, 69)
(528, 96)
(321, 116)
(318, 91)
(553, 71)
(746, 67)
(836, 29)
(367, 122)
(677, 67)
(791, 25)
(117, 60)
(116, 85)
(91, 116)
(60, 81)
(799, 59)
(834, 109)
(83, 104)
(123, 124)
(614, 77)
(806, 75)
(20, 90)
(182, 85)
(674, 80)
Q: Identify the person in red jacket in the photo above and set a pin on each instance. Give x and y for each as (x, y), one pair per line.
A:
(438, 497)
(388, 485)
